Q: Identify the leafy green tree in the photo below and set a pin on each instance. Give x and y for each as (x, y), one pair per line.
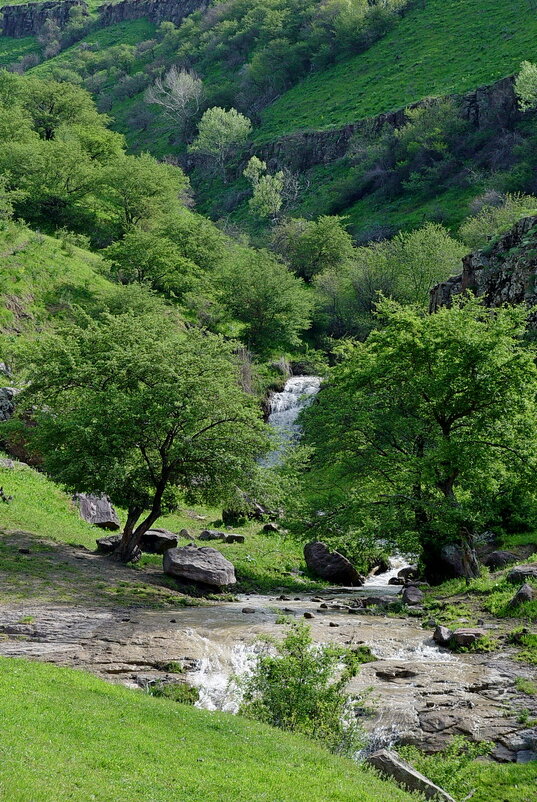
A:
(493, 220)
(313, 246)
(271, 302)
(301, 688)
(266, 200)
(419, 428)
(133, 407)
(221, 133)
(526, 85)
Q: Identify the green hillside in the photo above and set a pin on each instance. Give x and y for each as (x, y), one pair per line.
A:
(439, 47)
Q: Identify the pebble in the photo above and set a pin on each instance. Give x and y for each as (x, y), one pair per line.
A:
(308, 615)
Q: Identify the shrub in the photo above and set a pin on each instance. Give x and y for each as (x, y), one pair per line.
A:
(177, 692)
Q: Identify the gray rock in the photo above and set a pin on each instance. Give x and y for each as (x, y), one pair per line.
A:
(249, 610)
(391, 673)
(186, 533)
(391, 765)
(396, 580)
(271, 527)
(377, 601)
(331, 565)
(524, 594)
(412, 595)
(7, 402)
(7, 464)
(442, 636)
(308, 615)
(212, 534)
(521, 573)
(156, 541)
(467, 637)
(499, 559)
(503, 755)
(526, 756)
(205, 565)
(106, 545)
(409, 572)
(234, 538)
(97, 510)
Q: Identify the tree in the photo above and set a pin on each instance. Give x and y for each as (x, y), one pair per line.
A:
(420, 428)
(495, 219)
(313, 246)
(266, 200)
(273, 304)
(526, 86)
(178, 93)
(133, 407)
(221, 132)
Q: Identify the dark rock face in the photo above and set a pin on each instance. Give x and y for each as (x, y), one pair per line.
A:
(97, 510)
(523, 594)
(205, 565)
(451, 561)
(28, 19)
(212, 534)
(502, 273)
(488, 105)
(331, 565)
(7, 402)
(499, 559)
(157, 541)
(442, 636)
(408, 572)
(466, 637)
(156, 11)
(521, 573)
(391, 765)
(106, 545)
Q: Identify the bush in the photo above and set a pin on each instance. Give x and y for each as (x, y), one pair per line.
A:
(177, 692)
(300, 688)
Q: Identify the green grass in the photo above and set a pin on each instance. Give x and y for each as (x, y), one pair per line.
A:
(69, 736)
(14, 49)
(439, 47)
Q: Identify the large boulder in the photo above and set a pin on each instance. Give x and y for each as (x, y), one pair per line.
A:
(7, 402)
(97, 510)
(204, 564)
(157, 541)
(412, 595)
(442, 635)
(524, 594)
(466, 637)
(107, 545)
(499, 559)
(449, 561)
(521, 573)
(408, 572)
(331, 565)
(391, 765)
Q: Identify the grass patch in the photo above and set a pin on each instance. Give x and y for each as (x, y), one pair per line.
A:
(75, 737)
(439, 47)
(526, 686)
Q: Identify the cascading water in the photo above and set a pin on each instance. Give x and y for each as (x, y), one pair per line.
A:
(285, 408)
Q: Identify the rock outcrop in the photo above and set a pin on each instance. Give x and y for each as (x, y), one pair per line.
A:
(204, 565)
(504, 272)
(391, 765)
(331, 565)
(97, 510)
(156, 11)
(7, 402)
(157, 541)
(28, 19)
(521, 573)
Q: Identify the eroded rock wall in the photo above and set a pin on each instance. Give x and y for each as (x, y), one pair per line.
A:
(156, 11)
(28, 19)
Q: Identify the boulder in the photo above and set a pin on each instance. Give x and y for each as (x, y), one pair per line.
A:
(396, 580)
(271, 527)
(412, 595)
(524, 594)
(203, 564)
(106, 545)
(7, 402)
(186, 533)
(391, 765)
(390, 673)
(331, 565)
(466, 637)
(212, 534)
(97, 510)
(408, 572)
(521, 573)
(234, 538)
(442, 636)
(499, 559)
(377, 601)
(156, 541)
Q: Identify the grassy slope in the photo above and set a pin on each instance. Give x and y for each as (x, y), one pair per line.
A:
(110, 744)
(439, 47)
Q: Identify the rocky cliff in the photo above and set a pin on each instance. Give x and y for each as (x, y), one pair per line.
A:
(156, 11)
(503, 272)
(28, 19)
(493, 105)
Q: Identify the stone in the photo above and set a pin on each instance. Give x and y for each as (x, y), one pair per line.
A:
(466, 637)
(499, 559)
(203, 564)
(271, 527)
(521, 573)
(526, 756)
(396, 580)
(412, 595)
(391, 765)
(249, 610)
(234, 539)
(7, 464)
(211, 534)
(503, 755)
(28, 19)
(7, 401)
(308, 615)
(409, 572)
(106, 545)
(97, 510)
(442, 636)
(391, 673)
(333, 624)
(524, 594)
(377, 601)
(156, 541)
(186, 533)
(330, 565)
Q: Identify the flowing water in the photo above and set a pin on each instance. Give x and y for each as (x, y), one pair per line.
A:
(284, 409)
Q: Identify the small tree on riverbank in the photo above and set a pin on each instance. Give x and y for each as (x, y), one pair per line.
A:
(422, 429)
(136, 408)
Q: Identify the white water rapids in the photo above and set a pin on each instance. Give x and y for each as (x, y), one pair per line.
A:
(284, 409)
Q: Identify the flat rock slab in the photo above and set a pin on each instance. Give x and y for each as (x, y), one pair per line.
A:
(212, 534)
(97, 510)
(204, 564)
(499, 559)
(390, 765)
(157, 541)
(521, 573)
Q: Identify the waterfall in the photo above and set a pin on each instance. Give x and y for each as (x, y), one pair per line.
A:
(285, 408)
